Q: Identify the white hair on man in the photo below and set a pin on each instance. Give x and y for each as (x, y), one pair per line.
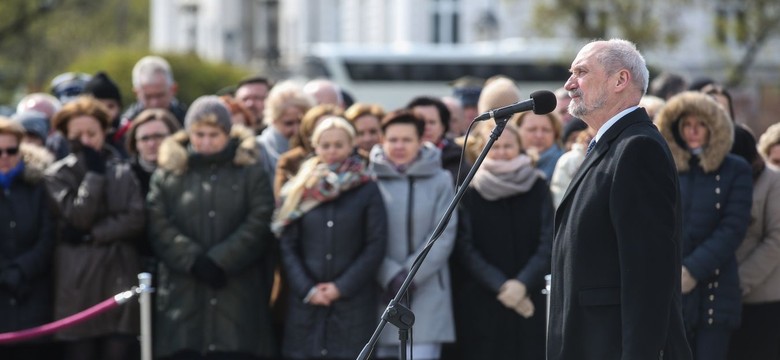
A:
(623, 54)
(148, 68)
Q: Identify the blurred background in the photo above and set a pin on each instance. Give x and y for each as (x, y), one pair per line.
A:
(381, 50)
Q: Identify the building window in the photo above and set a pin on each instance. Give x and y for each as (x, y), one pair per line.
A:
(444, 21)
(730, 22)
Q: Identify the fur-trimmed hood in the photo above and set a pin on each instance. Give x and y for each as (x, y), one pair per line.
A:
(174, 157)
(36, 160)
(721, 129)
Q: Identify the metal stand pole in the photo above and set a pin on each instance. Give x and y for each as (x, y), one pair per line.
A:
(390, 311)
(145, 289)
(546, 291)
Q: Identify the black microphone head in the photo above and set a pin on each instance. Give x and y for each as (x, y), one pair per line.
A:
(544, 102)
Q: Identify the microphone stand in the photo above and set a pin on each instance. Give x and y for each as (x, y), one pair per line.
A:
(398, 314)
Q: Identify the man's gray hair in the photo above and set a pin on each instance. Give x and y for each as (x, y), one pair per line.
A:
(146, 69)
(623, 54)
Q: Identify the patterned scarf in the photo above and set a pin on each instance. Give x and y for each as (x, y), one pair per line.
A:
(498, 179)
(325, 183)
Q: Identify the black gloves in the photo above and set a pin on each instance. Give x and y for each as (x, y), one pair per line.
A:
(207, 271)
(94, 160)
(73, 235)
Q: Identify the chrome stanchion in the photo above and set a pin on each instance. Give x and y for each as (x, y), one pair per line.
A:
(145, 290)
(546, 291)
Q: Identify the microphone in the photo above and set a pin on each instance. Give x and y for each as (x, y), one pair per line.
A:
(541, 102)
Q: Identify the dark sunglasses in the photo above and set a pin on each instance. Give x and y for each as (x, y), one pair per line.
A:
(10, 151)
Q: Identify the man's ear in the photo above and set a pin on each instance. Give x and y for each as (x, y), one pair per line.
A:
(623, 79)
(174, 88)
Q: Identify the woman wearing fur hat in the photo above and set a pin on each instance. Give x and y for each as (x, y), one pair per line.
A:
(716, 191)
(101, 213)
(210, 205)
(333, 232)
(27, 244)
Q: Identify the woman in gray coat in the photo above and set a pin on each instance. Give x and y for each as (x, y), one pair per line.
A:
(416, 190)
(209, 205)
(333, 235)
(101, 214)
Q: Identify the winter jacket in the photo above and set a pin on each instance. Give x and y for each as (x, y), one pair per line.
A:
(716, 192)
(218, 206)
(415, 201)
(510, 238)
(341, 241)
(109, 208)
(759, 254)
(27, 245)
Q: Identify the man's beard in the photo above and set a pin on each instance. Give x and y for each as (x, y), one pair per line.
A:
(578, 108)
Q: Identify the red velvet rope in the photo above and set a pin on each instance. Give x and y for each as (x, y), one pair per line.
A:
(22, 335)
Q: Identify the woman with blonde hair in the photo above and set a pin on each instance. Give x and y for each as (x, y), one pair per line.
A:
(284, 109)
(769, 146)
(541, 134)
(332, 227)
(302, 148)
(367, 120)
(503, 260)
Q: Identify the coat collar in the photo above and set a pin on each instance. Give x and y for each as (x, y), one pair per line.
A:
(602, 147)
(174, 157)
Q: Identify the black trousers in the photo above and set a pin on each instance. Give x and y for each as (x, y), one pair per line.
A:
(759, 336)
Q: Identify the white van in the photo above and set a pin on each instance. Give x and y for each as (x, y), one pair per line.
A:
(393, 75)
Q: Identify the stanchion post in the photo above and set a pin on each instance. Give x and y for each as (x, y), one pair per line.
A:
(145, 289)
(546, 291)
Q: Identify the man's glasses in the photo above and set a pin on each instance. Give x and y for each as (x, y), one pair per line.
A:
(9, 151)
(151, 137)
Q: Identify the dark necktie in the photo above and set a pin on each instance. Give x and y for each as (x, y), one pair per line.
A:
(591, 145)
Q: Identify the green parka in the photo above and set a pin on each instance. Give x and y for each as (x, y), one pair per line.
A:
(218, 205)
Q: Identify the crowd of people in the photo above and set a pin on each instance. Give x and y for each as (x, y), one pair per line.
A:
(279, 218)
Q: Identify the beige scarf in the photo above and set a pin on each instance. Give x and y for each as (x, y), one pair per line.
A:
(498, 179)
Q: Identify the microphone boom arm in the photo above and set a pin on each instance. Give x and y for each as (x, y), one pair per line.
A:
(392, 313)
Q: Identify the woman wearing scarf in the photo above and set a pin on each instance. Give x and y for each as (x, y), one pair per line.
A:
(508, 208)
(26, 240)
(210, 206)
(333, 230)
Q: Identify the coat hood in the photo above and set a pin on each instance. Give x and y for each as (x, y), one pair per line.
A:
(175, 158)
(428, 162)
(36, 160)
(721, 129)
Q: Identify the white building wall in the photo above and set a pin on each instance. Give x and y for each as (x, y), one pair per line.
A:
(218, 29)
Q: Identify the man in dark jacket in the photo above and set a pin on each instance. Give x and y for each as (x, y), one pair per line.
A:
(154, 88)
(616, 251)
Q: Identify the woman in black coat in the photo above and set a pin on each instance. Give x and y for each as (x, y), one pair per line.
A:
(26, 240)
(333, 230)
(499, 309)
